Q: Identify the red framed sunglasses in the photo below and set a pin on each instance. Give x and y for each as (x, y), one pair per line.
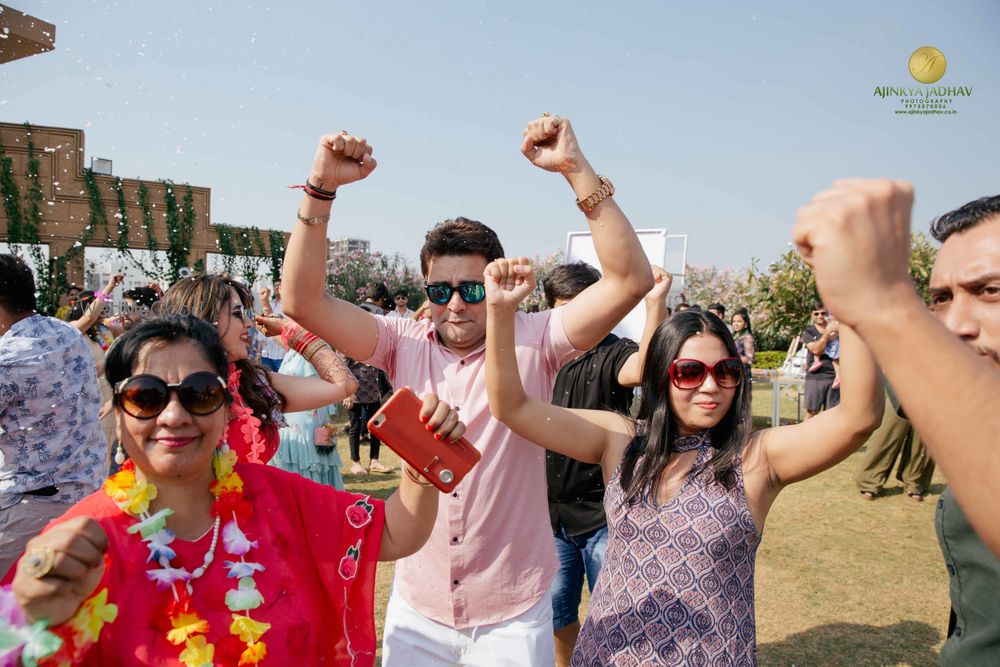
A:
(691, 373)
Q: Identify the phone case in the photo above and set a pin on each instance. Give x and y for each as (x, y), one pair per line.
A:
(397, 424)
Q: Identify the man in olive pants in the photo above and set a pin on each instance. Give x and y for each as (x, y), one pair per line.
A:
(895, 439)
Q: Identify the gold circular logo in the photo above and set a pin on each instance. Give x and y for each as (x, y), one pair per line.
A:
(927, 64)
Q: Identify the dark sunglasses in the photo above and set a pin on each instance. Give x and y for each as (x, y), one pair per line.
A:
(819, 313)
(691, 373)
(440, 293)
(145, 396)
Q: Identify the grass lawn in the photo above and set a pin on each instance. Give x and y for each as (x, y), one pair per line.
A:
(840, 581)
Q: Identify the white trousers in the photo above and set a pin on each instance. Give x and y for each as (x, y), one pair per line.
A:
(413, 640)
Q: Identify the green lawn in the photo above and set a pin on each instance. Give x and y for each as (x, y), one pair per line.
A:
(840, 581)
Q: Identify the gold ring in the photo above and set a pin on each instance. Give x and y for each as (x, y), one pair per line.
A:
(545, 114)
(38, 561)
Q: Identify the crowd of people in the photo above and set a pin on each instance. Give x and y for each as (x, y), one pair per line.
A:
(161, 536)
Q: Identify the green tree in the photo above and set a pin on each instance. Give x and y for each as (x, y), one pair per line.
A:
(922, 256)
(276, 243)
(780, 297)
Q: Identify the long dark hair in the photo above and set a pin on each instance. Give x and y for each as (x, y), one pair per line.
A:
(207, 297)
(742, 312)
(656, 425)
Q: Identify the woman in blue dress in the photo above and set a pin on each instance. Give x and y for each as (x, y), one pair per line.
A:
(298, 451)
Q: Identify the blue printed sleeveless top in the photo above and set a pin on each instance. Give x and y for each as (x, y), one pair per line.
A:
(677, 584)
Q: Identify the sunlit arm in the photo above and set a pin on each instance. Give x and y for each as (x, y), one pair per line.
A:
(409, 519)
(794, 453)
(334, 384)
(579, 434)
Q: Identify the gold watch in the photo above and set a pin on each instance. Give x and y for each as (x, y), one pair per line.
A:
(600, 194)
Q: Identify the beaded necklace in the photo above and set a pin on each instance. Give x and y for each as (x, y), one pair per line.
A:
(133, 496)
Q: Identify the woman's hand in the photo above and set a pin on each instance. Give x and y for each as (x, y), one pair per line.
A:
(550, 143)
(341, 158)
(440, 418)
(60, 569)
(508, 281)
(269, 325)
(662, 280)
(113, 282)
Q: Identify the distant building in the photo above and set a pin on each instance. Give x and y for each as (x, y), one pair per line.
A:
(340, 246)
(66, 206)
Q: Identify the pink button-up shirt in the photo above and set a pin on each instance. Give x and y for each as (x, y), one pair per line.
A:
(491, 555)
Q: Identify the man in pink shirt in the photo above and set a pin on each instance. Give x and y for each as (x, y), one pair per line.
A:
(477, 594)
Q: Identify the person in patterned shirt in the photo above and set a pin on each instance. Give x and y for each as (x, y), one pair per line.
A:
(688, 483)
(51, 443)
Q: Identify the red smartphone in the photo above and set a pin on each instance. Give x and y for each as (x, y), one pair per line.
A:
(397, 424)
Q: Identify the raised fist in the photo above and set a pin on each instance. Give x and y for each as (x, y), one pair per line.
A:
(341, 158)
(856, 237)
(508, 281)
(662, 280)
(550, 143)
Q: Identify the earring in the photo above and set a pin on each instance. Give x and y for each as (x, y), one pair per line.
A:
(119, 455)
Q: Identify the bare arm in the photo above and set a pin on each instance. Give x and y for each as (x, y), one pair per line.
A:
(794, 453)
(630, 374)
(856, 236)
(410, 512)
(335, 383)
(591, 436)
(551, 144)
(340, 159)
(749, 350)
(96, 307)
(817, 346)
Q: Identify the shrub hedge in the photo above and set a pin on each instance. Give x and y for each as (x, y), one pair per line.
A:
(769, 360)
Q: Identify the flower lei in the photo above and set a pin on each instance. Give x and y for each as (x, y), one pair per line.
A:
(133, 495)
(250, 424)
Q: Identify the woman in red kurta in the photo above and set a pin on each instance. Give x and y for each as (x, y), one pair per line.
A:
(208, 561)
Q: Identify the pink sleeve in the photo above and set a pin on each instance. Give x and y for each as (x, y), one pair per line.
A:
(390, 330)
(557, 348)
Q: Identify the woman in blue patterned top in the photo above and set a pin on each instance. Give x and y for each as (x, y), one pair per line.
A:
(689, 483)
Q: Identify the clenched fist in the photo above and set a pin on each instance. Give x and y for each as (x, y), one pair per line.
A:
(341, 158)
(856, 237)
(508, 282)
(76, 547)
(550, 143)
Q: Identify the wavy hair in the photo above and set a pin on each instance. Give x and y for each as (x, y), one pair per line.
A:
(208, 298)
(656, 425)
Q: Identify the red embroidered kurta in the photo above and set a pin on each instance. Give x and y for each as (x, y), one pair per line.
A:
(317, 598)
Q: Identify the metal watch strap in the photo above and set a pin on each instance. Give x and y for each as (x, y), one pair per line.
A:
(600, 194)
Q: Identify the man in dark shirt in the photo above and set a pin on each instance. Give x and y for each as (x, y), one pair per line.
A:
(820, 390)
(601, 379)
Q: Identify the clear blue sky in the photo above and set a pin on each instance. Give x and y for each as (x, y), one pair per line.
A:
(715, 119)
